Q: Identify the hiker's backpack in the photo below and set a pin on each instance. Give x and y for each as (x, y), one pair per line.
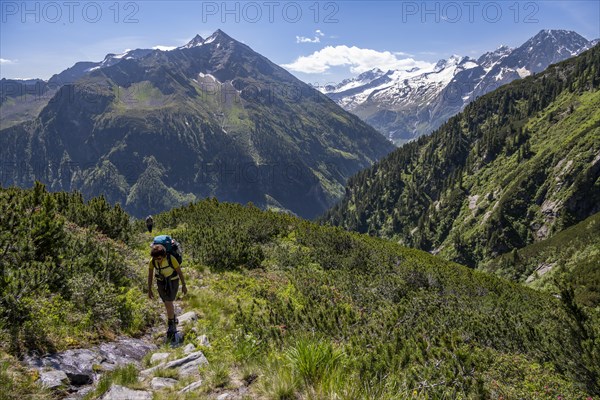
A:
(171, 245)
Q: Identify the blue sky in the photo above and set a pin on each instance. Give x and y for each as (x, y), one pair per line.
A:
(319, 42)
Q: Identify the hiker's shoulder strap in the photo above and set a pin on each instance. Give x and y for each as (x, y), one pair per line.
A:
(173, 263)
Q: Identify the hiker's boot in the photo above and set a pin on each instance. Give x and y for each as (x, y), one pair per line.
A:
(172, 329)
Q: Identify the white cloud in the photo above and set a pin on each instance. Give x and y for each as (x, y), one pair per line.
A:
(317, 39)
(302, 39)
(359, 60)
(164, 48)
(5, 61)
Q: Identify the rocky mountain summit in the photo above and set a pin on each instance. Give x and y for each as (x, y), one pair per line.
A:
(404, 105)
(154, 130)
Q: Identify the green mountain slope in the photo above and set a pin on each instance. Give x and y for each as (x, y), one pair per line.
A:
(300, 309)
(517, 166)
(316, 305)
(214, 119)
(23, 100)
(569, 258)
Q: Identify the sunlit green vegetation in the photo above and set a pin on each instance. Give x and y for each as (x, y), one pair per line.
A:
(67, 274)
(515, 167)
(319, 312)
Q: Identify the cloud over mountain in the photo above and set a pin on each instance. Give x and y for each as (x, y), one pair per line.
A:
(358, 59)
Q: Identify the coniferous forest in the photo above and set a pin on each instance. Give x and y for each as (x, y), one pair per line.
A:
(298, 308)
(515, 167)
(463, 265)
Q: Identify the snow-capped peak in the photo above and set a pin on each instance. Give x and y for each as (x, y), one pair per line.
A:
(196, 41)
(112, 59)
(370, 75)
(351, 83)
(450, 62)
(219, 36)
(405, 104)
(489, 59)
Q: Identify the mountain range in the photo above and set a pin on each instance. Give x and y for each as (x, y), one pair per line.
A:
(515, 167)
(292, 308)
(405, 104)
(153, 129)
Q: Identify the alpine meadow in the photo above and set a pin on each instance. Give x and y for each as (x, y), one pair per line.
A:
(385, 237)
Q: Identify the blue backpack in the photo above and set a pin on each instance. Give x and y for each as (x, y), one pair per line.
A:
(171, 245)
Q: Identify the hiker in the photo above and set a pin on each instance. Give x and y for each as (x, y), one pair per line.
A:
(168, 275)
(149, 223)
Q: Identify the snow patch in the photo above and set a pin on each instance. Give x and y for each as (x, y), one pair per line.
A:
(119, 56)
(523, 72)
(209, 76)
(469, 65)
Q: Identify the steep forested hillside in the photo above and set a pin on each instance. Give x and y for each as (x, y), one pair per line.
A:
(66, 273)
(517, 166)
(569, 258)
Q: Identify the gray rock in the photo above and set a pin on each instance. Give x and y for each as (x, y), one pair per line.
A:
(80, 364)
(80, 394)
(191, 368)
(187, 359)
(54, 379)
(191, 387)
(117, 392)
(187, 317)
(190, 348)
(124, 351)
(161, 383)
(204, 341)
(224, 396)
(77, 364)
(186, 365)
(159, 357)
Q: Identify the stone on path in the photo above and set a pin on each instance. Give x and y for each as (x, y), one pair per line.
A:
(161, 383)
(204, 341)
(190, 348)
(188, 317)
(187, 365)
(80, 365)
(159, 357)
(117, 392)
(54, 379)
(191, 387)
